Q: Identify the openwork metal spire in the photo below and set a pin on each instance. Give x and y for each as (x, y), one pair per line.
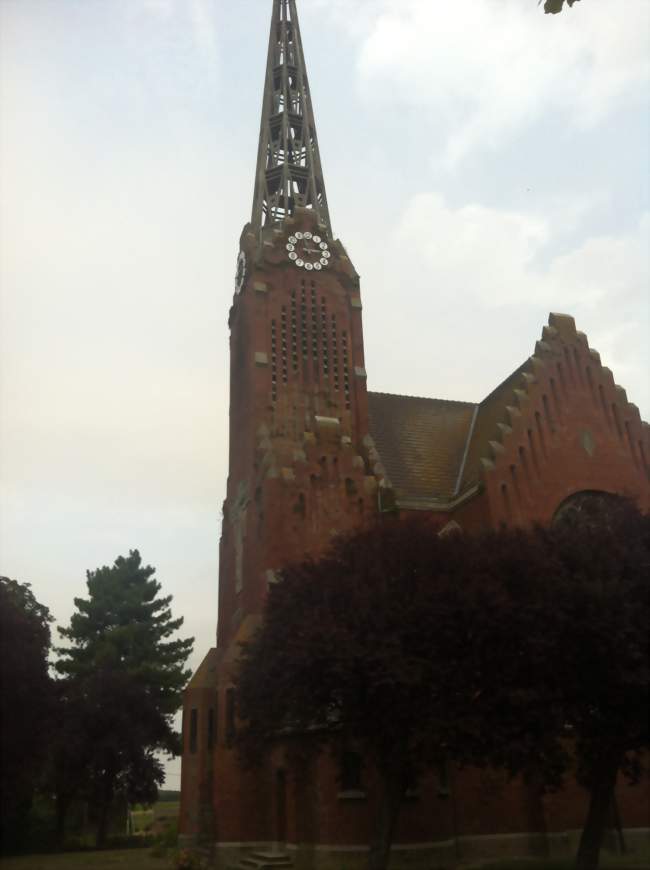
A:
(289, 173)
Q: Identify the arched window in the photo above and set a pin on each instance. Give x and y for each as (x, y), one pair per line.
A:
(586, 507)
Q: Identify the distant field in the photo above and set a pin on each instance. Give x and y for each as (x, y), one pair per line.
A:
(119, 859)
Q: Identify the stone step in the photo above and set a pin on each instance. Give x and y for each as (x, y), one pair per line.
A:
(263, 860)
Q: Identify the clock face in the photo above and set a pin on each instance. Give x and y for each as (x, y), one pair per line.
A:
(308, 251)
(240, 277)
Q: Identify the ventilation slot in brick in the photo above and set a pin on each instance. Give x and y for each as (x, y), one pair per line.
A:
(592, 388)
(303, 327)
(346, 371)
(533, 451)
(540, 431)
(523, 461)
(569, 365)
(314, 330)
(284, 344)
(578, 367)
(515, 482)
(335, 353)
(323, 337)
(274, 364)
(294, 338)
(547, 413)
(506, 500)
(556, 399)
(603, 405)
(643, 456)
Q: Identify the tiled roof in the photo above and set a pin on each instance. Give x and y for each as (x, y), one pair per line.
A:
(421, 443)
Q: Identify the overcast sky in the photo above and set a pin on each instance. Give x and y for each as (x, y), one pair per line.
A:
(485, 164)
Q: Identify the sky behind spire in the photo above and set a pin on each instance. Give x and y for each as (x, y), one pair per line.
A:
(485, 163)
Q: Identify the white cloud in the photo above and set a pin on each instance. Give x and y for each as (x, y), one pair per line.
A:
(494, 254)
(482, 70)
(476, 268)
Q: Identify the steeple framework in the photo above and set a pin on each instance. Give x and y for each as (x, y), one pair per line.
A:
(289, 173)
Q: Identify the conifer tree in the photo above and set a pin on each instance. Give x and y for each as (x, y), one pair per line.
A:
(124, 674)
(26, 691)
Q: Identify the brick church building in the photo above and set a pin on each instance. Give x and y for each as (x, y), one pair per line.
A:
(313, 453)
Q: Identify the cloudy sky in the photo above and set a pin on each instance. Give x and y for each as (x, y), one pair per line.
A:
(485, 165)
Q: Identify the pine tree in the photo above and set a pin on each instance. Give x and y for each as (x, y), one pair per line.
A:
(124, 677)
(27, 701)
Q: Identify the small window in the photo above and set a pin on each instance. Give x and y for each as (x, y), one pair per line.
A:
(211, 728)
(443, 780)
(231, 729)
(351, 772)
(194, 728)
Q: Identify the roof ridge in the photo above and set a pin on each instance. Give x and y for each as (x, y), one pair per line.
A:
(421, 398)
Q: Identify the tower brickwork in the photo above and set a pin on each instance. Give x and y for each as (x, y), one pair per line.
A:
(299, 466)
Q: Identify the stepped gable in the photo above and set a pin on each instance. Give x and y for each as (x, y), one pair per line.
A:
(563, 364)
(205, 676)
(421, 443)
(490, 413)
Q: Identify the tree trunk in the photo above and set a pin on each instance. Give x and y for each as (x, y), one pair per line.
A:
(62, 806)
(601, 794)
(389, 807)
(104, 807)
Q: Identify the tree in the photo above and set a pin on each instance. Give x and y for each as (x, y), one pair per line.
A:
(25, 688)
(123, 681)
(603, 648)
(555, 6)
(402, 641)
(525, 650)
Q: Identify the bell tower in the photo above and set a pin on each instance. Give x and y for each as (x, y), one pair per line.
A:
(302, 466)
(298, 403)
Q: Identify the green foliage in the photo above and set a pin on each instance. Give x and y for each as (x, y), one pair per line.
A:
(26, 704)
(123, 674)
(188, 859)
(555, 6)
(491, 649)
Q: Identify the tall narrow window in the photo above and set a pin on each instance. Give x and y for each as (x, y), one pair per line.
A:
(443, 780)
(194, 729)
(211, 728)
(231, 729)
(351, 772)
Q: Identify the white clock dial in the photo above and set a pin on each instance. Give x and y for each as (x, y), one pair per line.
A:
(240, 275)
(308, 251)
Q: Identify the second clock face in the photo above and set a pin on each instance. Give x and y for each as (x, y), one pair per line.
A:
(308, 251)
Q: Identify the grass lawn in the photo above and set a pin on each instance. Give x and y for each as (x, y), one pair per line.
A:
(639, 861)
(140, 859)
(118, 859)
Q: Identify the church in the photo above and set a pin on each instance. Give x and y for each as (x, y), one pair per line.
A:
(314, 453)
